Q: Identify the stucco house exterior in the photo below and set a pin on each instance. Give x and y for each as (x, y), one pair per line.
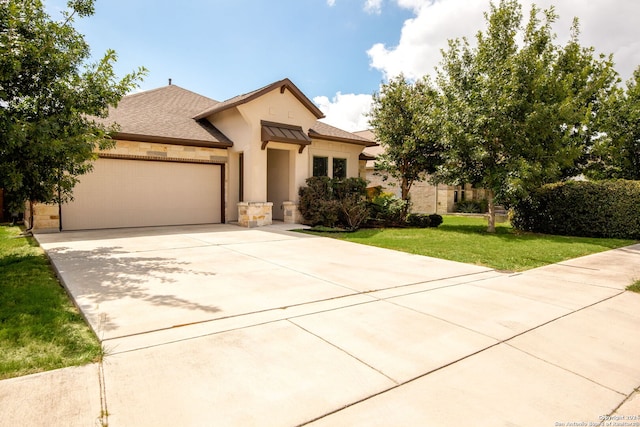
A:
(425, 197)
(182, 158)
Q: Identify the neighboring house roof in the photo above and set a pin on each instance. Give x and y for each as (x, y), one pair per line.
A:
(166, 115)
(324, 131)
(242, 99)
(370, 152)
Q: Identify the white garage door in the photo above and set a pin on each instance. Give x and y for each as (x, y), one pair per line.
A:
(134, 193)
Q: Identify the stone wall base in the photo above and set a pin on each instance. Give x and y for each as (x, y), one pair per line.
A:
(255, 214)
(291, 213)
(45, 217)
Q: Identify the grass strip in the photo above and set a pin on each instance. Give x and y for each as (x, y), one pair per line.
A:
(40, 328)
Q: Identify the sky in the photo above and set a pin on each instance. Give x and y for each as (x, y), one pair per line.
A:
(338, 52)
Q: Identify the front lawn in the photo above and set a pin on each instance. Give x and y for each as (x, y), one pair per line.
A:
(40, 329)
(465, 239)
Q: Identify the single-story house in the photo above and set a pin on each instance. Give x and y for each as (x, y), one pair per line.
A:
(425, 197)
(182, 158)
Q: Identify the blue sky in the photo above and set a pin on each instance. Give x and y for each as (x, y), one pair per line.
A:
(223, 48)
(337, 52)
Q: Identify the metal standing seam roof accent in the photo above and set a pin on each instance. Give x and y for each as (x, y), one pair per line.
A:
(279, 132)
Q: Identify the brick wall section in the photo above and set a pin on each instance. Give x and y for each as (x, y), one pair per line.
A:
(45, 217)
(183, 152)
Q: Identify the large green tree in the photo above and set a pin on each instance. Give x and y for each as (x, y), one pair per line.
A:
(405, 118)
(50, 96)
(617, 150)
(519, 109)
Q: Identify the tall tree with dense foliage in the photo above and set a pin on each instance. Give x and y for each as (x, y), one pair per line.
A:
(617, 150)
(519, 109)
(49, 98)
(405, 118)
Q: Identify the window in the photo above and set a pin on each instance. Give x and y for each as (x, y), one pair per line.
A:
(340, 168)
(320, 166)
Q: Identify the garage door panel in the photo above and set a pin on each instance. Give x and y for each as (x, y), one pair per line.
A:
(134, 193)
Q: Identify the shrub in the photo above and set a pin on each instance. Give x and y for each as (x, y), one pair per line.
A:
(354, 211)
(582, 208)
(317, 205)
(329, 202)
(419, 220)
(471, 206)
(435, 220)
(387, 210)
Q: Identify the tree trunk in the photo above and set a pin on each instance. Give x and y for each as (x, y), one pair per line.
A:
(491, 227)
(405, 186)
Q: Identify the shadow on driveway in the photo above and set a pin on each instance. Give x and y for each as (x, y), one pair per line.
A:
(110, 273)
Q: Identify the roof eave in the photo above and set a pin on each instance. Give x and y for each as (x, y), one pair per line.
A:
(171, 141)
(314, 134)
(282, 84)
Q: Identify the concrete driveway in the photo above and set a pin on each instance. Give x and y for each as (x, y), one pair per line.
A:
(219, 325)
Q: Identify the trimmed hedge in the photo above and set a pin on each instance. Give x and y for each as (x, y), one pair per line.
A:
(582, 208)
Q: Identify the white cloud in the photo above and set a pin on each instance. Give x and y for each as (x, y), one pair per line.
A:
(370, 6)
(373, 6)
(610, 28)
(346, 111)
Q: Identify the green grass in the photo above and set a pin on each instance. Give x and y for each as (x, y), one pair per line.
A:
(40, 329)
(465, 239)
(635, 287)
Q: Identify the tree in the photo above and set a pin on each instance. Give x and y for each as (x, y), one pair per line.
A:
(519, 114)
(405, 119)
(617, 151)
(50, 99)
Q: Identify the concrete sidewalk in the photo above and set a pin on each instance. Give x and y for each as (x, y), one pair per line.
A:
(217, 325)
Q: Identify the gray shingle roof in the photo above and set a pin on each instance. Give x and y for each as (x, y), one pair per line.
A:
(172, 114)
(324, 131)
(166, 113)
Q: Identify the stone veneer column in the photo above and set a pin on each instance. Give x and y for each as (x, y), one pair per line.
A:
(254, 214)
(291, 213)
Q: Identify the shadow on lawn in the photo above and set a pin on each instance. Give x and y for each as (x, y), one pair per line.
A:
(509, 234)
(109, 273)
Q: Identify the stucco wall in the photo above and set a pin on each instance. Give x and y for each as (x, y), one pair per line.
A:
(242, 124)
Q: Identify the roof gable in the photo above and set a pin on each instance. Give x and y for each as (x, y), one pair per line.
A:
(282, 85)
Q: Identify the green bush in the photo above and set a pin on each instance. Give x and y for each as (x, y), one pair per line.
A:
(471, 206)
(331, 202)
(419, 220)
(435, 220)
(386, 210)
(582, 208)
(317, 204)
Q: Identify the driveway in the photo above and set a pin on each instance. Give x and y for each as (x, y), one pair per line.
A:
(220, 325)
